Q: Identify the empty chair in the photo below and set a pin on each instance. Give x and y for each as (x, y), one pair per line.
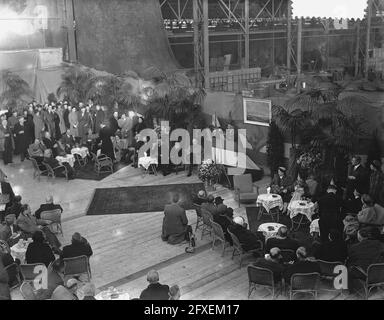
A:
(27, 291)
(28, 271)
(102, 163)
(77, 266)
(218, 235)
(374, 278)
(55, 217)
(79, 160)
(207, 226)
(260, 277)
(38, 170)
(244, 189)
(304, 283)
(327, 273)
(51, 172)
(238, 249)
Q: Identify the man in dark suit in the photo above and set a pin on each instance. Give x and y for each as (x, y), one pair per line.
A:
(248, 239)
(79, 247)
(9, 228)
(6, 195)
(223, 219)
(68, 141)
(175, 223)
(302, 265)
(155, 290)
(329, 212)
(210, 205)
(48, 206)
(358, 178)
(353, 206)
(273, 262)
(48, 142)
(281, 241)
(21, 139)
(282, 184)
(334, 250)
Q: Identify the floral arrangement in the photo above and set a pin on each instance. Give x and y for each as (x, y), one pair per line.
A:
(310, 160)
(209, 171)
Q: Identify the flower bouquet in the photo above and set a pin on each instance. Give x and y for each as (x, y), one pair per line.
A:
(209, 172)
(309, 160)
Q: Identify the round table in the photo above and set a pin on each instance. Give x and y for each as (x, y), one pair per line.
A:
(69, 158)
(18, 252)
(270, 229)
(146, 162)
(269, 201)
(305, 208)
(106, 295)
(82, 152)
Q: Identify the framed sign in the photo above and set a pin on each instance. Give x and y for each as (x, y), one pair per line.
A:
(258, 112)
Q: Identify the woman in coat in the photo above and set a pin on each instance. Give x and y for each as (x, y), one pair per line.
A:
(39, 125)
(74, 122)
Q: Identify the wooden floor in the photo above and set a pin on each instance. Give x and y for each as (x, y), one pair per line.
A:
(127, 246)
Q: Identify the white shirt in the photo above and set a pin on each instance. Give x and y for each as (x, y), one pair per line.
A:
(356, 166)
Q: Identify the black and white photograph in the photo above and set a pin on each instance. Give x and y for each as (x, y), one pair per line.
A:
(117, 122)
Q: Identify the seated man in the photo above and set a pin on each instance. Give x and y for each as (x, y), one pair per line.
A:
(273, 262)
(79, 247)
(224, 219)
(9, 229)
(155, 290)
(200, 198)
(334, 250)
(29, 224)
(47, 206)
(220, 206)
(53, 163)
(48, 142)
(371, 213)
(175, 223)
(281, 241)
(352, 206)
(68, 141)
(302, 265)
(209, 205)
(15, 208)
(364, 253)
(282, 185)
(36, 151)
(38, 251)
(248, 239)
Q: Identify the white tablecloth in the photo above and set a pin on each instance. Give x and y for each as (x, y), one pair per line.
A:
(147, 161)
(106, 295)
(269, 229)
(83, 151)
(269, 201)
(301, 207)
(19, 252)
(314, 227)
(69, 158)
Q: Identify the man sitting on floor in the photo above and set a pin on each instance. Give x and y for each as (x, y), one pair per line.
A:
(209, 205)
(281, 241)
(47, 206)
(248, 239)
(155, 290)
(175, 223)
(273, 262)
(79, 247)
(302, 265)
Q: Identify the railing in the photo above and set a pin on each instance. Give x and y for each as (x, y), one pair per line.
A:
(233, 80)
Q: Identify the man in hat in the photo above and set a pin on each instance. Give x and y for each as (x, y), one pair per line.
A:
(330, 212)
(376, 182)
(220, 206)
(21, 139)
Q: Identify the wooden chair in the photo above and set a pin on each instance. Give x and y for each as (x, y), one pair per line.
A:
(82, 162)
(38, 170)
(54, 216)
(374, 278)
(238, 249)
(218, 235)
(27, 291)
(199, 221)
(207, 226)
(244, 189)
(27, 271)
(52, 171)
(103, 164)
(77, 266)
(304, 283)
(261, 277)
(299, 221)
(13, 275)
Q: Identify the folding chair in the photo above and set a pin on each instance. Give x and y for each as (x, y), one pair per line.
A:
(374, 278)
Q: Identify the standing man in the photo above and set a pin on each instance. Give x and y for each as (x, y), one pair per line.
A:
(84, 123)
(100, 117)
(357, 178)
(21, 139)
(8, 142)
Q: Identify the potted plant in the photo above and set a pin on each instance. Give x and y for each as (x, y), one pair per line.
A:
(209, 173)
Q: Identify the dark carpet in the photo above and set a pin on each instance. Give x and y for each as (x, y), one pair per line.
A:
(88, 172)
(301, 235)
(140, 199)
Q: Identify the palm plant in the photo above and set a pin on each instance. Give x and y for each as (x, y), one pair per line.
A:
(76, 82)
(104, 89)
(16, 91)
